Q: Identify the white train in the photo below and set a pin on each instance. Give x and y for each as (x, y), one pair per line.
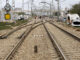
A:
(73, 19)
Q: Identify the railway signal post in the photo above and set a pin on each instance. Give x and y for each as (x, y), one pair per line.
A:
(6, 13)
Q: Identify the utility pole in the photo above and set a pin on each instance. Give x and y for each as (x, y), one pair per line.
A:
(7, 1)
(58, 8)
(58, 2)
(0, 4)
(50, 10)
(28, 6)
(13, 9)
(50, 7)
(22, 5)
(23, 9)
(13, 4)
(53, 9)
(0, 9)
(32, 7)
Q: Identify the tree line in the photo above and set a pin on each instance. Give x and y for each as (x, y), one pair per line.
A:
(75, 9)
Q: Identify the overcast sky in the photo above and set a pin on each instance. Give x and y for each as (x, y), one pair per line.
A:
(64, 4)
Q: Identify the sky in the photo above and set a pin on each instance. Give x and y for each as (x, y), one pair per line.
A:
(69, 3)
(63, 3)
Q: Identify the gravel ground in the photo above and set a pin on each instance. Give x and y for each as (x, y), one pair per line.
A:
(6, 45)
(2, 32)
(38, 37)
(72, 30)
(69, 45)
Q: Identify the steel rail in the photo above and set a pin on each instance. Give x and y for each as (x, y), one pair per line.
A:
(11, 32)
(32, 29)
(56, 45)
(18, 45)
(70, 34)
(27, 32)
(8, 34)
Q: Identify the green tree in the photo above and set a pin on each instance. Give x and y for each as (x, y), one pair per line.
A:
(21, 13)
(75, 9)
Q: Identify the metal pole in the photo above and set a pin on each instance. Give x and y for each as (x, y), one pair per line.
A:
(50, 10)
(22, 5)
(0, 10)
(13, 9)
(58, 9)
(31, 7)
(28, 6)
(23, 9)
(7, 1)
(13, 4)
(0, 5)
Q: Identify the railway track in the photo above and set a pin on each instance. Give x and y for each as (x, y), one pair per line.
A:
(21, 39)
(56, 45)
(68, 42)
(40, 44)
(14, 30)
(44, 43)
(70, 34)
(8, 43)
(18, 28)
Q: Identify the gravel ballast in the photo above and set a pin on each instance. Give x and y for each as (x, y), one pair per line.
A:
(69, 45)
(45, 51)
